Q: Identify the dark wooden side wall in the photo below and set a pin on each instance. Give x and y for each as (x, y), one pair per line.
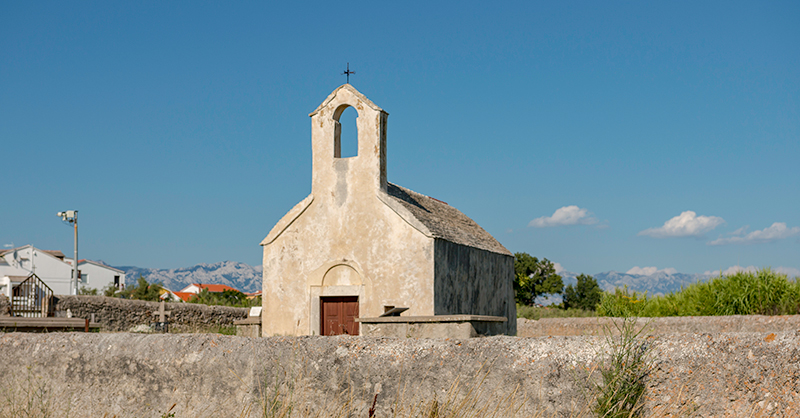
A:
(472, 281)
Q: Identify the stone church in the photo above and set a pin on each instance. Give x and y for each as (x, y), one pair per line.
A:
(359, 246)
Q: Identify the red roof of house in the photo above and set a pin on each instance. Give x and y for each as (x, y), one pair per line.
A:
(214, 287)
(185, 296)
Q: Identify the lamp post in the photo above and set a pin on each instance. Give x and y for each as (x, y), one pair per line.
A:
(71, 217)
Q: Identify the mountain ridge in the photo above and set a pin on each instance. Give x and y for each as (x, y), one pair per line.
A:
(248, 278)
(235, 274)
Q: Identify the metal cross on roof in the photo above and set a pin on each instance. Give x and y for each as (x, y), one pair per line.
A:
(348, 72)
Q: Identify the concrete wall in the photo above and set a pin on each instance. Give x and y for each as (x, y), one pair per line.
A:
(132, 375)
(474, 282)
(115, 314)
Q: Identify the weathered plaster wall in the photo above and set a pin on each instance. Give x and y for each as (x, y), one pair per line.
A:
(472, 281)
(115, 314)
(133, 375)
(361, 249)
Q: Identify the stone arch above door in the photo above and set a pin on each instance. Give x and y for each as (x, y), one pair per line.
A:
(334, 270)
(341, 275)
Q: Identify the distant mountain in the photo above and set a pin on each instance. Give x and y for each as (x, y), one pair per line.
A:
(234, 274)
(248, 279)
(658, 283)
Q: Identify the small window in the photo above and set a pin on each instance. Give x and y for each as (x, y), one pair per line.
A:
(116, 281)
(84, 278)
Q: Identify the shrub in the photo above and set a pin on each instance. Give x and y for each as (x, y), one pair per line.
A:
(83, 290)
(763, 292)
(622, 303)
(142, 291)
(227, 297)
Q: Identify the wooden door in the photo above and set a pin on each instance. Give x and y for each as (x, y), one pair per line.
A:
(338, 314)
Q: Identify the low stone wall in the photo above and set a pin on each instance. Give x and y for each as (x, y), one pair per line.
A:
(208, 375)
(115, 314)
(5, 306)
(660, 326)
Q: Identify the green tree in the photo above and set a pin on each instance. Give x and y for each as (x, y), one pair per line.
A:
(142, 291)
(534, 277)
(585, 295)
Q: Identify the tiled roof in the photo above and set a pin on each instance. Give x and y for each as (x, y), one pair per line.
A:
(446, 222)
(185, 296)
(214, 287)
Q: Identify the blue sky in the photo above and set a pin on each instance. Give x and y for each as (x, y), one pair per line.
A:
(603, 136)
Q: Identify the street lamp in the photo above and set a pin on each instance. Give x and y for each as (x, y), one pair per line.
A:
(71, 217)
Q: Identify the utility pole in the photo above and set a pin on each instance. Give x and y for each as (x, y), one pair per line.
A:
(71, 217)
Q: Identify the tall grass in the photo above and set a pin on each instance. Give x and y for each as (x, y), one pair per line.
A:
(764, 292)
(625, 370)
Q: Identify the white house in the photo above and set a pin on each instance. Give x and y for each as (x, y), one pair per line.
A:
(98, 276)
(17, 264)
(54, 270)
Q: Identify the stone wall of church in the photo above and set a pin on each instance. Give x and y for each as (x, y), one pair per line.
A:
(473, 281)
(115, 314)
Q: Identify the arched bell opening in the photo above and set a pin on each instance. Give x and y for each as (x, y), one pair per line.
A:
(345, 140)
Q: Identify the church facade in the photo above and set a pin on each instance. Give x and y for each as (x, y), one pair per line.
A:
(358, 245)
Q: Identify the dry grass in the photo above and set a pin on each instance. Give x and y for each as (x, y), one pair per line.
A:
(30, 397)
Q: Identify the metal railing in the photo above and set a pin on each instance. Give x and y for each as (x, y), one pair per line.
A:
(32, 298)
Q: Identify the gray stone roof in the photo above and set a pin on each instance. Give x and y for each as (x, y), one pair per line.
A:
(444, 221)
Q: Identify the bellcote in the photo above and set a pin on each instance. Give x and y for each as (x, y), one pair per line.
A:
(339, 177)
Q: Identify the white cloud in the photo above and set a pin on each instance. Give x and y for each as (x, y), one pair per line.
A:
(776, 231)
(687, 224)
(559, 268)
(647, 271)
(740, 231)
(789, 271)
(567, 215)
(732, 270)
